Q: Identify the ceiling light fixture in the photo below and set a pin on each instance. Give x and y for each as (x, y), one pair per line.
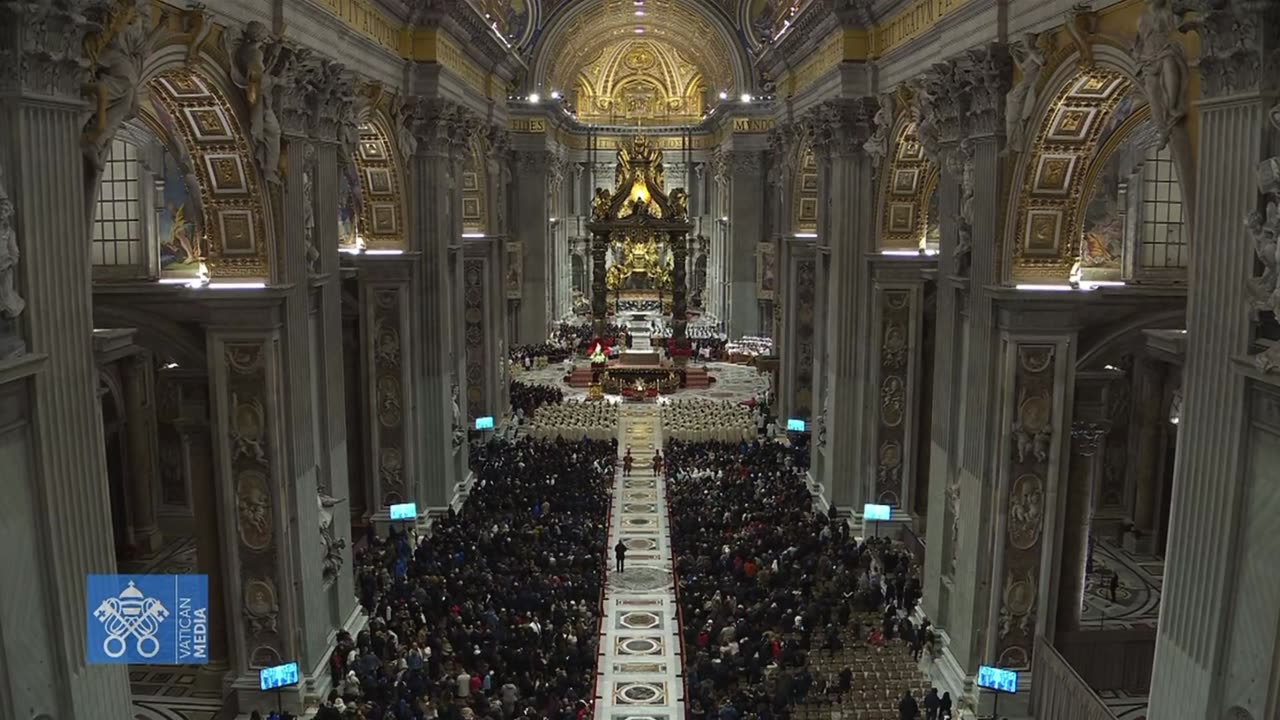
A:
(555, 94)
(746, 97)
(535, 98)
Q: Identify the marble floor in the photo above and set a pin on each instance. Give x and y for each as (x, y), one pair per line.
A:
(1125, 706)
(640, 671)
(732, 382)
(1138, 595)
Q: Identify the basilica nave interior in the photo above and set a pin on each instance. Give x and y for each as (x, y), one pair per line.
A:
(1010, 269)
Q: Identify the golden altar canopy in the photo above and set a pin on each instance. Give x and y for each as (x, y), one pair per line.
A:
(639, 218)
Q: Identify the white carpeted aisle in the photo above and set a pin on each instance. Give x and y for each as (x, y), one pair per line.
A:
(640, 665)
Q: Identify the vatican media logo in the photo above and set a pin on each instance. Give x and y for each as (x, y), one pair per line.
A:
(152, 619)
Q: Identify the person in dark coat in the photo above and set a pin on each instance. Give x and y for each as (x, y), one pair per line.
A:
(931, 704)
(944, 707)
(620, 554)
(907, 707)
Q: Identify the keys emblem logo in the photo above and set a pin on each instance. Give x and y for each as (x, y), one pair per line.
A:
(131, 615)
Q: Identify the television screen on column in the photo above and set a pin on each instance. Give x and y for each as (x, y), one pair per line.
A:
(997, 679)
(795, 425)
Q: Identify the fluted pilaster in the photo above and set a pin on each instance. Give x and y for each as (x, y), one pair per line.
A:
(42, 69)
(435, 203)
(846, 228)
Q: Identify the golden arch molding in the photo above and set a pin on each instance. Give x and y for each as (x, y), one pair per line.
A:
(190, 111)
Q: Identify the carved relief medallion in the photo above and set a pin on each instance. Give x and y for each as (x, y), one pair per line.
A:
(261, 612)
(891, 401)
(1026, 511)
(254, 506)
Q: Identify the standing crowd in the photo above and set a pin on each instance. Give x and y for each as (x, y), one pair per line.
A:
(780, 605)
(496, 613)
(527, 397)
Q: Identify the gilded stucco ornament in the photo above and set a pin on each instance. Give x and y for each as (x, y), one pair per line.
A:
(257, 62)
(116, 55)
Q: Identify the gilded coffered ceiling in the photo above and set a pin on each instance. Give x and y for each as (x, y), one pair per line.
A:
(612, 58)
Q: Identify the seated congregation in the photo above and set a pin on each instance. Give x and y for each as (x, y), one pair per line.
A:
(784, 614)
(495, 613)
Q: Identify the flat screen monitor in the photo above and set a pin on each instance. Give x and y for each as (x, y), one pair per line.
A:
(874, 512)
(795, 425)
(278, 676)
(484, 423)
(997, 679)
(404, 511)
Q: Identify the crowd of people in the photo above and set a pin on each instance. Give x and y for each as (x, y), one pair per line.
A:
(496, 614)
(526, 398)
(699, 419)
(766, 583)
(526, 355)
(574, 420)
(579, 337)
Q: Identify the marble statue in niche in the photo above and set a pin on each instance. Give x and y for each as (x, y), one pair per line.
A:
(257, 62)
(11, 303)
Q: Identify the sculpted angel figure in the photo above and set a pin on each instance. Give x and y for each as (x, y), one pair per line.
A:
(1021, 100)
(680, 203)
(257, 62)
(116, 57)
(11, 303)
(1162, 65)
(600, 205)
(877, 146)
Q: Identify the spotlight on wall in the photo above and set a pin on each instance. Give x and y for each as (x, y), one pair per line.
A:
(746, 97)
(535, 98)
(555, 94)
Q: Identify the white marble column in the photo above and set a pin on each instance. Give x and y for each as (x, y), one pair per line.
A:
(41, 118)
(745, 232)
(533, 231)
(329, 383)
(1199, 637)
(435, 209)
(144, 461)
(943, 515)
(847, 229)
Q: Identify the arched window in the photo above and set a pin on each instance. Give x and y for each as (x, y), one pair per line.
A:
(120, 221)
(1164, 237)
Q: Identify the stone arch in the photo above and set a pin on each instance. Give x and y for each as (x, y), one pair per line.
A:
(1124, 336)
(1073, 121)
(373, 189)
(804, 188)
(161, 336)
(906, 186)
(184, 98)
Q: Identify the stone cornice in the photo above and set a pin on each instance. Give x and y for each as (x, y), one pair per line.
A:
(815, 24)
(470, 30)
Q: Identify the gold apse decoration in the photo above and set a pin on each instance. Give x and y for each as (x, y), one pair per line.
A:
(640, 81)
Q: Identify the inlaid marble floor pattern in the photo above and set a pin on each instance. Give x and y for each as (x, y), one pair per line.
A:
(640, 669)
